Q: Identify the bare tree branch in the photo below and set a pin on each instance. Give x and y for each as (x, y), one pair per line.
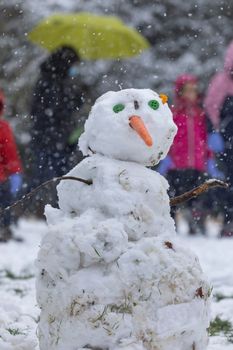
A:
(44, 184)
(197, 191)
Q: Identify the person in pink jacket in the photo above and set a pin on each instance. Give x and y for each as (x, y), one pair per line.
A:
(190, 158)
(189, 149)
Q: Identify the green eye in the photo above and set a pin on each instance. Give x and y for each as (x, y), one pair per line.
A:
(118, 108)
(153, 104)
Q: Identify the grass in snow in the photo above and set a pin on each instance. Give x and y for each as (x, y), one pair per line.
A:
(15, 331)
(11, 275)
(219, 326)
(219, 296)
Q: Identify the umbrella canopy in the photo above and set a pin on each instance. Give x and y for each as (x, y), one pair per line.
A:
(92, 36)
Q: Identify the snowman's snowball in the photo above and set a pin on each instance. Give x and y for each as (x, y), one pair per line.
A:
(139, 295)
(79, 242)
(161, 270)
(53, 215)
(110, 134)
(130, 344)
(127, 191)
(104, 243)
(176, 326)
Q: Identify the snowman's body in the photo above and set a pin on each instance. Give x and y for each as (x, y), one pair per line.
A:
(111, 273)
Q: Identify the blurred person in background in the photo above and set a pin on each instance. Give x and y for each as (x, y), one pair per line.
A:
(10, 173)
(219, 108)
(190, 158)
(56, 99)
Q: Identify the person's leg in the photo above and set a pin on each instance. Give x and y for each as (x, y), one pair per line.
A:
(181, 181)
(45, 168)
(226, 161)
(227, 195)
(5, 217)
(229, 179)
(198, 205)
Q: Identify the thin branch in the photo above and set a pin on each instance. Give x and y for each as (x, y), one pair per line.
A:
(173, 201)
(44, 184)
(197, 191)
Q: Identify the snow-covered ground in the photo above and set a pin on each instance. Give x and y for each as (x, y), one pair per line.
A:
(19, 312)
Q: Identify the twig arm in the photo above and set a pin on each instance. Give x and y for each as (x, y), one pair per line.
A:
(197, 191)
(44, 184)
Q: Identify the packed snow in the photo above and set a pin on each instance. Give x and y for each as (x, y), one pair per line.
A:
(108, 133)
(19, 314)
(110, 271)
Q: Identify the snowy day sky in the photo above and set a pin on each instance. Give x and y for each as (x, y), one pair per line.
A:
(194, 42)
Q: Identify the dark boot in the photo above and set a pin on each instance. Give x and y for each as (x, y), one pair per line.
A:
(196, 221)
(227, 230)
(199, 221)
(5, 234)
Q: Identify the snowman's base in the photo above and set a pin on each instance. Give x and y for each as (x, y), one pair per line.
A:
(174, 327)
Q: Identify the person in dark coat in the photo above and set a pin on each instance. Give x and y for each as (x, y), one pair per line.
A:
(55, 99)
(219, 108)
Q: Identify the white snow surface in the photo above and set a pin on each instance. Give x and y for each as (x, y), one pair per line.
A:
(18, 311)
(17, 293)
(111, 273)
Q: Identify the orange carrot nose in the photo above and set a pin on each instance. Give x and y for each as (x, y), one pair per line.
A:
(138, 125)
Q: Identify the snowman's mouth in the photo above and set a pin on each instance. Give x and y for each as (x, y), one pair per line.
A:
(138, 125)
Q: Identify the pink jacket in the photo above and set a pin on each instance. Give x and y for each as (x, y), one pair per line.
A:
(219, 88)
(189, 149)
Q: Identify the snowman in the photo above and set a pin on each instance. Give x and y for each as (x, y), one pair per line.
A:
(111, 272)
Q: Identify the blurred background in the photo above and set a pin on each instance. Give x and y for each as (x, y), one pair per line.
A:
(185, 36)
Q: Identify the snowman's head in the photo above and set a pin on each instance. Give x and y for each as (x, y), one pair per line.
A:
(130, 125)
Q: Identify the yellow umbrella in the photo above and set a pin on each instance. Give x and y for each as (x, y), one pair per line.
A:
(92, 36)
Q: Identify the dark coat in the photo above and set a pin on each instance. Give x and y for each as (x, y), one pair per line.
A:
(55, 100)
(226, 123)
